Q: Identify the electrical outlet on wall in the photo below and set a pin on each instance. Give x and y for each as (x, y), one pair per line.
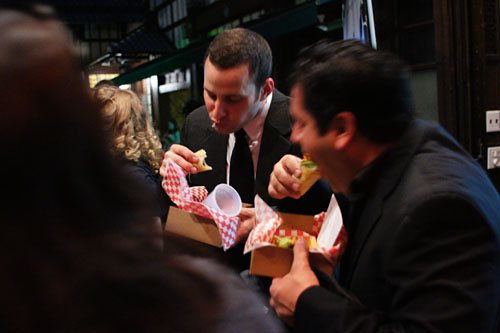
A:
(493, 157)
(493, 121)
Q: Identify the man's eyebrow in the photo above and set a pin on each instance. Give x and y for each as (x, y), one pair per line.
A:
(224, 96)
(208, 90)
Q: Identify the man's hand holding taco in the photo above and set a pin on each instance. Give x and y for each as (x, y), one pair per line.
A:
(190, 162)
(292, 177)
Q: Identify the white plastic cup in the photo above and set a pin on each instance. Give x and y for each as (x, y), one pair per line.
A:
(224, 199)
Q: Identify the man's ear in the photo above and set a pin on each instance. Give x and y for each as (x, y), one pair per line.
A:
(267, 88)
(343, 127)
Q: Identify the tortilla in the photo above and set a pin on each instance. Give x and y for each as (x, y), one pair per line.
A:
(202, 165)
(310, 174)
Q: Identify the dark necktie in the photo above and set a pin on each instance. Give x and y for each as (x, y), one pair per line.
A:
(241, 175)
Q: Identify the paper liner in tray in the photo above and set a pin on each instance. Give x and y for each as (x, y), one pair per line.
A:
(189, 199)
(327, 228)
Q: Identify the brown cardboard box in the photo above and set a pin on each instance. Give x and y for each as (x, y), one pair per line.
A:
(192, 226)
(274, 261)
(189, 225)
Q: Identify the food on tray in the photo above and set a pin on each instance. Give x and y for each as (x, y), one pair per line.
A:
(289, 241)
(284, 241)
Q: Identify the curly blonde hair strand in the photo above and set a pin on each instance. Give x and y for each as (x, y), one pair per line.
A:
(129, 127)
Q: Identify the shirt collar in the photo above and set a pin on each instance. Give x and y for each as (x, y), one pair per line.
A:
(255, 126)
(365, 179)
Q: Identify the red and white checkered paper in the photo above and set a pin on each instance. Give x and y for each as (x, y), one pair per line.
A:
(190, 200)
(267, 222)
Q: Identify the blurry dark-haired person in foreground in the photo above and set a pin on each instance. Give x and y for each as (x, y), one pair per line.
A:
(72, 253)
(423, 250)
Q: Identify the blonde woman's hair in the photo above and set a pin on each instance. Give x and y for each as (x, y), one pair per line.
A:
(128, 125)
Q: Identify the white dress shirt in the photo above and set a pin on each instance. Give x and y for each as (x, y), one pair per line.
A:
(254, 129)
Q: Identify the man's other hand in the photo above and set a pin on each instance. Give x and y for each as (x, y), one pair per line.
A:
(285, 291)
(247, 222)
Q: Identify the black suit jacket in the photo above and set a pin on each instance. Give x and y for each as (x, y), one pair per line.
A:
(198, 133)
(425, 256)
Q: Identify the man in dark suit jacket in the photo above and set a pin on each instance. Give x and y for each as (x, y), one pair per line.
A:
(423, 251)
(198, 133)
(239, 94)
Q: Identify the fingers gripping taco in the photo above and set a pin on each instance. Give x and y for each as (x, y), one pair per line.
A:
(310, 174)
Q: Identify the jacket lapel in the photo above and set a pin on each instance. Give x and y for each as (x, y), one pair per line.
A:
(215, 144)
(275, 142)
(398, 159)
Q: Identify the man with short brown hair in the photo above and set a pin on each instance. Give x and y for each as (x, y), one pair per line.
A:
(244, 127)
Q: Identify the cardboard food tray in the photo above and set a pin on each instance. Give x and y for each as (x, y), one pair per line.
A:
(273, 261)
(192, 226)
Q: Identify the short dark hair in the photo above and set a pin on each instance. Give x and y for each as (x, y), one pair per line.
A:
(38, 11)
(350, 76)
(49, 116)
(237, 46)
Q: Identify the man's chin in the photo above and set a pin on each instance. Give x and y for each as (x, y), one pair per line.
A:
(222, 129)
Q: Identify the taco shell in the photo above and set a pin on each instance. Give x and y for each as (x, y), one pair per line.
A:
(201, 165)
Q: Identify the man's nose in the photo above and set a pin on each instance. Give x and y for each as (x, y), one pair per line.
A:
(295, 136)
(218, 109)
